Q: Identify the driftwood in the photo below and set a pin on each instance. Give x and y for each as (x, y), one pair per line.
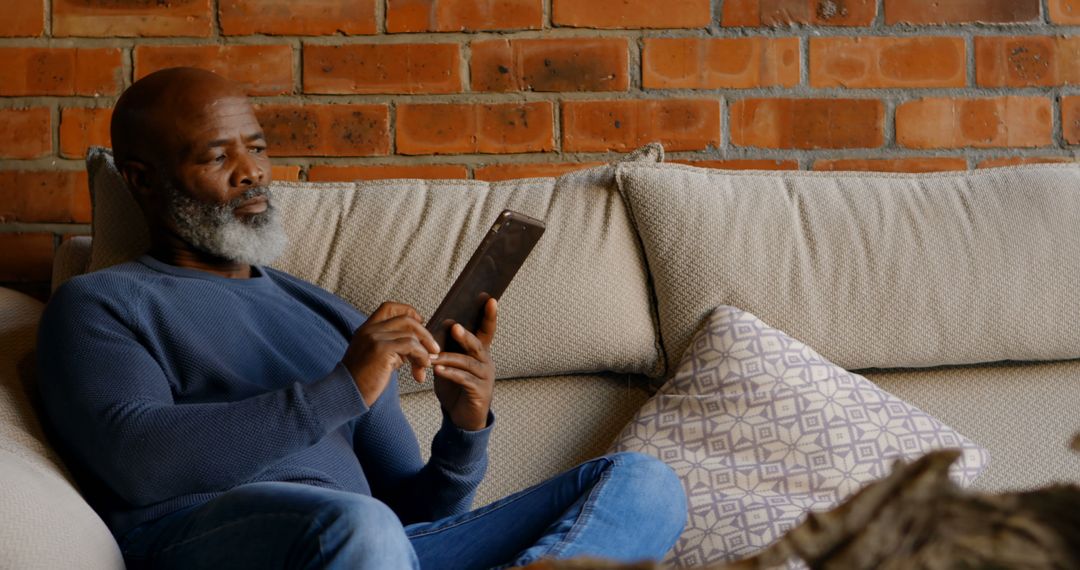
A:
(918, 518)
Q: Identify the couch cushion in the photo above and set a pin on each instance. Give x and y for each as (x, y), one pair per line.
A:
(579, 304)
(872, 269)
(761, 429)
(20, 430)
(1023, 413)
(545, 426)
(47, 524)
(71, 258)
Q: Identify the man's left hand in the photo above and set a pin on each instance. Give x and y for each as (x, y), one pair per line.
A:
(464, 382)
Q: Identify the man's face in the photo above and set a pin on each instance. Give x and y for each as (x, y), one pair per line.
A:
(216, 193)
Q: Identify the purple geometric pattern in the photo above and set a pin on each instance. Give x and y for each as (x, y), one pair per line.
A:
(762, 429)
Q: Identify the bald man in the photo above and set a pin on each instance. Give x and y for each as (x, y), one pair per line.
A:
(221, 414)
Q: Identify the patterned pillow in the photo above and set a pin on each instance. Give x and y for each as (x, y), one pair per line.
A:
(762, 429)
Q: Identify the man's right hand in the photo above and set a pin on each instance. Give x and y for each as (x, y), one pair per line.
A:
(392, 335)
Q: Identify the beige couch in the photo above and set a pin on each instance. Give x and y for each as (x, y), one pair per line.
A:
(923, 282)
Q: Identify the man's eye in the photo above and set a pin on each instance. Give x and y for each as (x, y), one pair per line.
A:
(258, 149)
(219, 158)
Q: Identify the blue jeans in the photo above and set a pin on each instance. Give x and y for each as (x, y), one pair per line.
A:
(624, 506)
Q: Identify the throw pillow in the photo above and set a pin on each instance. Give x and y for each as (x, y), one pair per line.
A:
(762, 429)
(581, 302)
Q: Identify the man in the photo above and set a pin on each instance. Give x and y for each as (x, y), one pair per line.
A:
(219, 413)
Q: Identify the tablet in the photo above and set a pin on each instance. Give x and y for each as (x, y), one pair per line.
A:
(486, 275)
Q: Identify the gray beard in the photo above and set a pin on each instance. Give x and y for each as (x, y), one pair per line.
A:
(213, 228)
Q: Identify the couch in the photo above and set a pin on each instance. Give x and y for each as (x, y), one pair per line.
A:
(953, 291)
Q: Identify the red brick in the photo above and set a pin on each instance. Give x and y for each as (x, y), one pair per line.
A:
(292, 18)
(463, 15)
(1027, 61)
(106, 18)
(382, 68)
(1017, 160)
(496, 172)
(808, 123)
(960, 11)
(798, 12)
(23, 18)
(916, 164)
(261, 69)
(1070, 119)
(326, 130)
(680, 124)
(81, 128)
(1065, 11)
(586, 64)
(888, 62)
(743, 164)
(990, 122)
(734, 63)
(27, 132)
(326, 173)
(26, 256)
(618, 14)
(475, 128)
(59, 196)
(59, 71)
(285, 172)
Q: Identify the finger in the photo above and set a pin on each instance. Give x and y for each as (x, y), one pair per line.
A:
(426, 338)
(397, 323)
(472, 345)
(486, 333)
(418, 374)
(463, 362)
(408, 346)
(409, 349)
(391, 309)
(460, 377)
(405, 323)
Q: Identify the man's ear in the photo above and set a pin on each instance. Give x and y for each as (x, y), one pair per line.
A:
(139, 179)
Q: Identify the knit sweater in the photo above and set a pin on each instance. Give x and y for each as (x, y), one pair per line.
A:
(164, 387)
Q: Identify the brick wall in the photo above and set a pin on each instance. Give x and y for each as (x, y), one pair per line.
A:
(492, 89)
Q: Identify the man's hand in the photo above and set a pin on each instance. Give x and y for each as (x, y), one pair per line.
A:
(464, 382)
(392, 335)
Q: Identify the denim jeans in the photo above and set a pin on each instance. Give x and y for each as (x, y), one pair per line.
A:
(624, 506)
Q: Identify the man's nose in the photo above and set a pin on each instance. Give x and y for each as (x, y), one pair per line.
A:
(248, 172)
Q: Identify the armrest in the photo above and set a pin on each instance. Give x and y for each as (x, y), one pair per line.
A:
(71, 259)
(48, 524)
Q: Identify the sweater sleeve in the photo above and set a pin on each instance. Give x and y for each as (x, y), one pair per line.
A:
(111, 406)
(389, 452)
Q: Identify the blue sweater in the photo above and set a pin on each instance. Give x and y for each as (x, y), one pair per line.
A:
(164, 387)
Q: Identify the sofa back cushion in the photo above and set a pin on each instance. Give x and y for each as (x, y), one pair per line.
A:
(579, 304)
(871, 269)
(47, 524)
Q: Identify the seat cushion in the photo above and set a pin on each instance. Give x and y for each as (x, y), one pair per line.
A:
(1024, 413)
(579, 304)
(761, 430)
(47, 524)
(871, 269)
(544, 426)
